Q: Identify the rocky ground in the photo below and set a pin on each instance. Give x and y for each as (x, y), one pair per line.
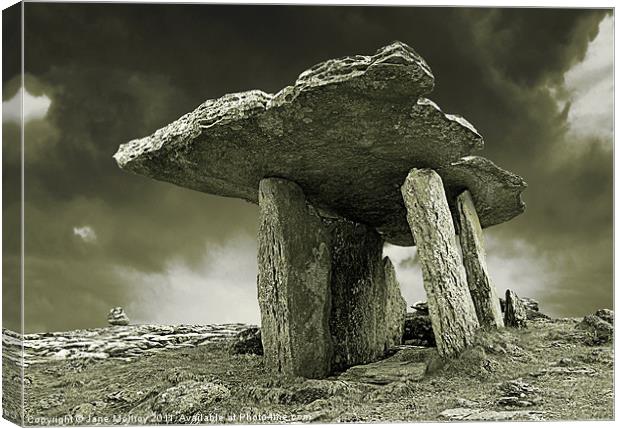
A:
(124, 343)
(553, 370)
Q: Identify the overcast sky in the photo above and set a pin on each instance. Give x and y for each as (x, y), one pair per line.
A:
(537, 83)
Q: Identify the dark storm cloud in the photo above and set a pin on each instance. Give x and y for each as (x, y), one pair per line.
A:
(118, 72)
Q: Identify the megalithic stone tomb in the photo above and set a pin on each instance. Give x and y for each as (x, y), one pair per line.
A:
(351, 156)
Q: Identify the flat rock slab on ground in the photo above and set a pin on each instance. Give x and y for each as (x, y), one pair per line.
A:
(120, 342)
(409, 363)
(348, 132)
(465, 414)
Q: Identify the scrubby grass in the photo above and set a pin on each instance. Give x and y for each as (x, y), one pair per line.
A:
(105, 388)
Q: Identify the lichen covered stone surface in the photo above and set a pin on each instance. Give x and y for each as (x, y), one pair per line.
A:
(117, 316)
(359, 294)
(496, 193)
(395, 308)
(348, 132)
(450, 306)
(328, 298)
(481, 288)
(294, 273)
(515, 314)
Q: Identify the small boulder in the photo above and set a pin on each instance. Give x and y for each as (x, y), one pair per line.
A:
(418, 330)
(515, 314)
(536, 315)
(530, 304)
(532, 308)
(247, 341)
(117, 316)
(189, 398)
(600, 331)
(606, 315)
(421, 308)
(517, 393)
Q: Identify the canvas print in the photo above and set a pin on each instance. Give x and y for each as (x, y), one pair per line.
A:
(260, 214)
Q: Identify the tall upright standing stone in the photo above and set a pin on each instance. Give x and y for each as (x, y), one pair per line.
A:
(482, 290)
(358, 293)
(294, 273)
(515, 314)
(395, 307)
(451, 309)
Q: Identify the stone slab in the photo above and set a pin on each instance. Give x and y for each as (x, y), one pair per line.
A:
(450, 306)
(481, 288)
(348, 132)
(515, 314)
(467, 414)
(294, 271)
(496, 193)
(395, 308)
(383, 373)
(358, 291)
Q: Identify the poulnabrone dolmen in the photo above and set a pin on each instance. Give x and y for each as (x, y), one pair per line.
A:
(349, 157)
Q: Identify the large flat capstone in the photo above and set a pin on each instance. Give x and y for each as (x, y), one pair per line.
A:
(347, 132)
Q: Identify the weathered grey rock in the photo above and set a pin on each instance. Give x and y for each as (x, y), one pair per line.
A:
(385, 372)
(531, 304)
(482, 290)
(189, 398)
(515, 314)
(127, 343)
(496, 193)
(405, 365)
(304, 392)
(528, 302)
(247, 342)
(395, 308)
(600, 330)
(467, 414)
(565, 371)
(359, 294)
(294, 273)
(531, 308)
(418, 330)
(348, 132)
(450, 306)
(421, 308)
(510, 401)
(535, 315)
(605, 315)
(117, 316)
(517, 393)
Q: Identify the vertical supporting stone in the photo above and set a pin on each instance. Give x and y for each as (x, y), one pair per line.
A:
(358, 293)
(294, 266)
(368, 310)
(395, 308)
(451, 309)
(482, 290)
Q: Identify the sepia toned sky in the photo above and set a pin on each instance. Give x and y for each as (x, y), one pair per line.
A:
(536, 83)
